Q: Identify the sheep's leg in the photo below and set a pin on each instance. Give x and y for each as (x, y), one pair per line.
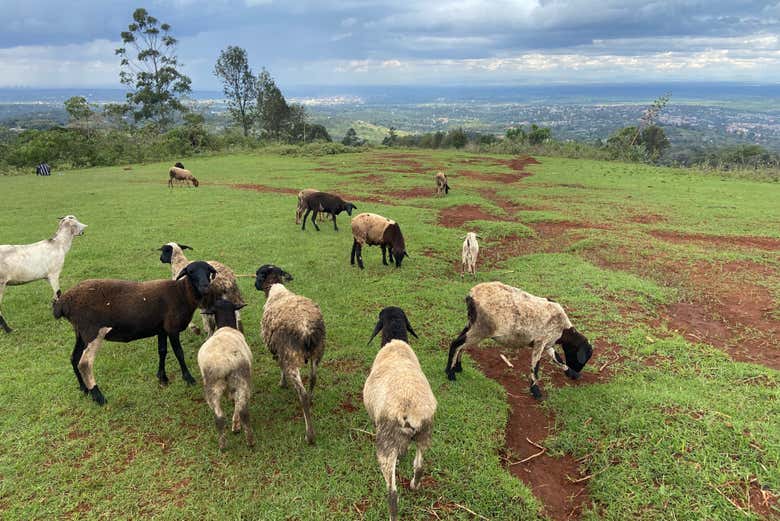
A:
(294, 376)
(313, 220)
(239, 324)
(283, 381)
(387, 460)
(241, 404)
(209, 325)
(162, 353)
(560, 363)
(75, 357)
(3, 323)
(87, 361)
(312, 379)
(418, 468)
(334, 222)
(298, 212)
(358, 250)
(457, 347)
(54, 282)
(179, 352)
(213, 392)
(384, 254)
(536, 359)
(352, 254)
(305, 216)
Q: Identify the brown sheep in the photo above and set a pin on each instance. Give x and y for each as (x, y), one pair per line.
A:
(372, 229)
(178, 173)
(441, 183)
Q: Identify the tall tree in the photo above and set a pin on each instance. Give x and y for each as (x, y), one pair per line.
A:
(272, 109)
(239, 85)
(150, 68)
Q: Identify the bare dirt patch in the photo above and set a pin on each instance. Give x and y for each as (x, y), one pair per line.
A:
(520, 163)
(550, 479)
(412, 193)
(761, 243)
(456, 216)
(265, 188)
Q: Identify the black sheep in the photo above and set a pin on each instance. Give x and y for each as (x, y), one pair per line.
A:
(393, 324)
(327, 203)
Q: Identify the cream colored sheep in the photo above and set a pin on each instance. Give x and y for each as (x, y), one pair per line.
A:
(469, 254)
(372, 230)
(178, 174)
(516, 318)
(442, 186)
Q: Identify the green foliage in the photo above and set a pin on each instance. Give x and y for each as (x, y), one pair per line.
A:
(351, 139)
(150, 68)
(78, 109)
(455, 138)
(239, 85)
(272, 109)
(392, 138)
(516, 134)
(538, 135)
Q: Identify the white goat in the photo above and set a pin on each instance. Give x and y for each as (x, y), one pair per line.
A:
(469, 254)
(20, 264)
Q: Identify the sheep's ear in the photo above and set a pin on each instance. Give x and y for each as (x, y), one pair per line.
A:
(185, 247)
(239, 306)
(406, 254)
(409, 328)
(182, 273)
(287, 276)
(479, 237)
(377, 329)
(60, 218)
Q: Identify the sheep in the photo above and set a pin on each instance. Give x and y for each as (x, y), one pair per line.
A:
(393, 324)
(373, 229)
(224, 285)
(23, 263)
(328, 203)
(178, 173)
(302, 196)
(516, 318)
(294, 332)
(441, 183)
(469, 254)
(133, 310)
(400, 403)
(225, 362)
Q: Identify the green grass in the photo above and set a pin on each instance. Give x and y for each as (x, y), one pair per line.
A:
(661, 440)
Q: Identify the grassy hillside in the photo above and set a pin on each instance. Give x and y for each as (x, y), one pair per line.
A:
(672, 275)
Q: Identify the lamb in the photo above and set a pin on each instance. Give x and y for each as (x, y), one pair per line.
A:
(133, 310)
(302, 196)
(23, 263)
(328, 203)
(516, 318)
(400, 403)
(178, 173)
(225, 362)
(224, 285)
(469, 254)
(441, 183)
(294, 332)
(373, 229)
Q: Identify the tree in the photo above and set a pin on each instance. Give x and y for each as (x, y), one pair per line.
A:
(239, 85)
(457, 138)
(272, 109)
(650, 115)
(151, 70)
(78, 109)
(538, 135)
(516, 134)
(297, 122)
(654, 140)
(351, 139)
(391, 139)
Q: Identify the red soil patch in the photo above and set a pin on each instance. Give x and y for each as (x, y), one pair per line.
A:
(493, 178)
(265, 188)
(520, 163)
(507, 205)
(549, 478)
(763, 502)
(647, 218)
(412, 193)
(374, 179)
(455, 216)
(761, 243)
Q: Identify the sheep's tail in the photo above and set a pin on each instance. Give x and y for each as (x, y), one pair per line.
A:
(446, 188)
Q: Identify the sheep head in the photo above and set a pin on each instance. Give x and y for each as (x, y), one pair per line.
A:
(224, 312)
(349, 207)
(199, 274)
(393, 324)
(167, 251)
(70, 223)
(267, 275)
(179, 165)
(577, 350)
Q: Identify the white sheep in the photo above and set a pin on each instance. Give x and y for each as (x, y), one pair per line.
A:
(20, 264)
(516, 318)
(469, 254)
(225, 362)
(400, 403)
(294, 332)
(442, 186)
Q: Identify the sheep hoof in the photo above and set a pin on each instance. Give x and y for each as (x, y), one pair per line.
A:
(188, 378)
(574, 375)
(450, 375)
(97, 396)
(163, 379)
(458, 368)
(536, 392)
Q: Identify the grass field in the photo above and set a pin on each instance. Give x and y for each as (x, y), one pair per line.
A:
(672, 275)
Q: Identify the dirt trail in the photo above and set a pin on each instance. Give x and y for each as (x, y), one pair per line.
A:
(754, 242)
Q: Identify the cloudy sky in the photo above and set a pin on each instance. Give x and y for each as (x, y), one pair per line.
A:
(49, 43)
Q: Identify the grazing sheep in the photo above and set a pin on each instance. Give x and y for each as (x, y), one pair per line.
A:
(373, 229)
(225, 362)
(327, 203)
(302, 196)
(518, 319)
(23, 263)
(469, 254)
(294, 332)
(133, 310)
(223, 286)
(393, 324)
(178, 173)
(400, 403)
(441, 183)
